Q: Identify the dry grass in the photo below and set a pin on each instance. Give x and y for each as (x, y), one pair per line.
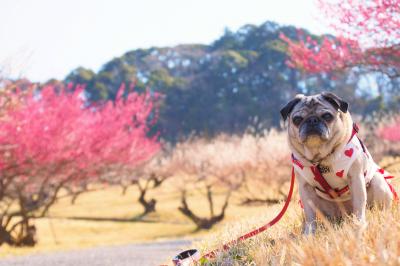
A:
(107, 217)
(344, 244)
(334, 244)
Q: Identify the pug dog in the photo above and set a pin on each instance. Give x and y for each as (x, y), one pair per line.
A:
(335, 172)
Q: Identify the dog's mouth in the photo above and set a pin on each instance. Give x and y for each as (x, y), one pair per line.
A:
(314, 135)
(313, 141)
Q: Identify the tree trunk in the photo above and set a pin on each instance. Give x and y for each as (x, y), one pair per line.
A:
(200, 222)
(25, 238)
(148, 205)
(28, 238)
(5, 237)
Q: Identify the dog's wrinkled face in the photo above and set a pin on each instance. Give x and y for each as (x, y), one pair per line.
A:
(314, 120)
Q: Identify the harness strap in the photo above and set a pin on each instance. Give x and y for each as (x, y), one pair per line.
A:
(297, 162)
(395, 196)
(356, 129)
(324, 184)
(333, 193)
(354, 132)
(363, 146)
(339, 192)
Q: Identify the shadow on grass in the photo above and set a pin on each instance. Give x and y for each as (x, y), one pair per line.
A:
(138, 218)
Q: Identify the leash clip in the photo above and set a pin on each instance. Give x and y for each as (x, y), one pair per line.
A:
(186, 258)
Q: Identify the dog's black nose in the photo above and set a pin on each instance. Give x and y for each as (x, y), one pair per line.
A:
(312, 120)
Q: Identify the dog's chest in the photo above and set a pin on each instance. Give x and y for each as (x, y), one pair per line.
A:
(335, 177)
(333, 172)
(324, 169)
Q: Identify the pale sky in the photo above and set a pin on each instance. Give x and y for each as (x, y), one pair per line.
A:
(43, 39)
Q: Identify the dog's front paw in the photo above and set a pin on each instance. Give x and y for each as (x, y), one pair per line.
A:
(361, 225)
(309, 228)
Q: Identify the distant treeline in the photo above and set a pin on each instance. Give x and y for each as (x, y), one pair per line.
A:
(238, 81)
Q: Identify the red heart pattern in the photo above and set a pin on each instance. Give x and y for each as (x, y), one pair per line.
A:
(340, 173)
(382, 171)
(349, 152)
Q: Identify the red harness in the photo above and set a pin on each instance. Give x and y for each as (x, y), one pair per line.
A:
(335, 193)
(319, 178)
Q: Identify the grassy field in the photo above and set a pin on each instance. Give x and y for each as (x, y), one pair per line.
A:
(107, 217)
(343, 243)
(334, 244)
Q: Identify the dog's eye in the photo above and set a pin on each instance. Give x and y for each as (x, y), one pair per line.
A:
(327, 117)
(297, 120)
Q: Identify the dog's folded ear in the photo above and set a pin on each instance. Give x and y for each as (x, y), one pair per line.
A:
(288, 108)
(336, 101)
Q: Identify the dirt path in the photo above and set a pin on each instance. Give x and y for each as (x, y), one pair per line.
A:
(145, 254)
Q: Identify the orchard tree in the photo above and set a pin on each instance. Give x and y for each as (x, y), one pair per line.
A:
(54, 139)
(388, 134)
(391, 131)
(146, 177)
(214, 169)
(270, 167)
(151, 177)
(367, 35)
(367, 40)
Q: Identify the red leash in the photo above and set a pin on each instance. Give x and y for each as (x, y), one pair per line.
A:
(317, 176)
(212, 254)
(227, 246)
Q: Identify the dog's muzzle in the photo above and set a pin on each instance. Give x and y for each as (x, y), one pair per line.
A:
(313, 126)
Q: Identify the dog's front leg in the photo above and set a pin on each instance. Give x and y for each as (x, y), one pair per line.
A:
(308, 198)
(358, 192)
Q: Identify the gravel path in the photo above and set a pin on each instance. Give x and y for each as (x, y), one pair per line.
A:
(152, 254)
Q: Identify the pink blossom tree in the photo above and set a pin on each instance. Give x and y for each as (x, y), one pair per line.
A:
(367, 35)
(391, 132)
(54, 139)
